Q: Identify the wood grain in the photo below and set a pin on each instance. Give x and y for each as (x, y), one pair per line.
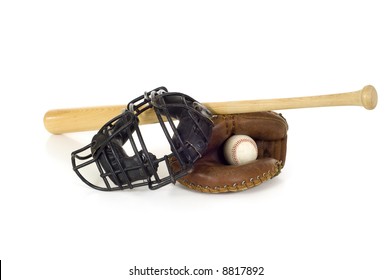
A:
(92, 118)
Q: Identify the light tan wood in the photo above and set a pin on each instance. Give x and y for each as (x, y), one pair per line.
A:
(61, 121)
(92, 118)
(366, 97)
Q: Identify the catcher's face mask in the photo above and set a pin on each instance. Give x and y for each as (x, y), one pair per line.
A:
(188, 139)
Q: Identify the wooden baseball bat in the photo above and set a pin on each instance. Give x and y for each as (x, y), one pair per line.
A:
(92, 118)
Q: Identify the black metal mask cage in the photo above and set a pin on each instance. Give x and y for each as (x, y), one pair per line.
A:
(188, 139)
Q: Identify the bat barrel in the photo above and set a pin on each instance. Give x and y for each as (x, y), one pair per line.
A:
(79, 119)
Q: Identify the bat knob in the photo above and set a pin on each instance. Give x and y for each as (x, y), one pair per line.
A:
(369, 97)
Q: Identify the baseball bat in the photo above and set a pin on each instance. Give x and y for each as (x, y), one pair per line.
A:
(92, 118)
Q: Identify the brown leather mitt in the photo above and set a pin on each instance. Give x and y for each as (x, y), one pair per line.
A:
(213, 174)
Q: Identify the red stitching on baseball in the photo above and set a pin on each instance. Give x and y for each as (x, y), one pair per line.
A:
(233, 150)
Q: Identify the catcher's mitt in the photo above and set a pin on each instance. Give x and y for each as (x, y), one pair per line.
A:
(212, 173)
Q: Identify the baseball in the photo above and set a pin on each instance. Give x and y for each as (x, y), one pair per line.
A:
(240, 149)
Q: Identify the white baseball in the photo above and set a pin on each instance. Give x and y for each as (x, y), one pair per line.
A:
(240, 149)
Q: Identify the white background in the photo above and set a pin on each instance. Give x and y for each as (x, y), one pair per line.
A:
(327, 216)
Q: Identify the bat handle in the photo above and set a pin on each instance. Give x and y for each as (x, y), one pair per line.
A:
(369, 97)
